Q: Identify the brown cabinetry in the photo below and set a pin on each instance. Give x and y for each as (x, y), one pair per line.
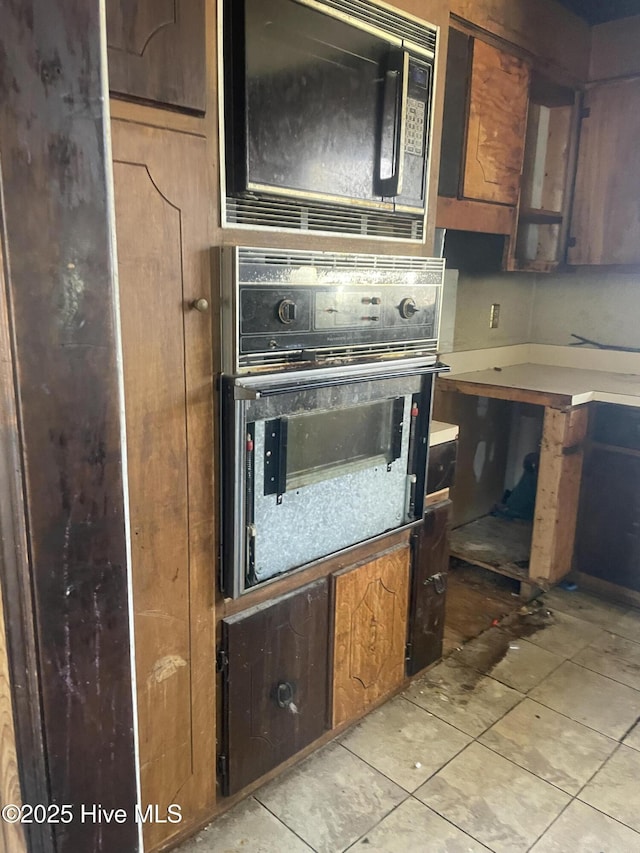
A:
(605, 226)
(370, 631)
(483, 136)
(497, 123)
(608, 534)
(428, 589)
(274, 662)
(163, 237)
(156, 51)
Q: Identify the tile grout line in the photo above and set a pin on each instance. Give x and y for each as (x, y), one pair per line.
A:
(266, 808)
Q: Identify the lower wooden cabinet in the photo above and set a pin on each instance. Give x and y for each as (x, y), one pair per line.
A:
(275, 683)
(310, 660)
(608, 533)
(370, 631)
(428, 590)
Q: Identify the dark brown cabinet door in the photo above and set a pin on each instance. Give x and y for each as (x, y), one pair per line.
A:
(608, 535)
(428, 590)
(156, 51)
(442, 466)
(605, 223)
(275, 683)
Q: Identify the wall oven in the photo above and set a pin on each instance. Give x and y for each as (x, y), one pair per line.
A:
(325, 411)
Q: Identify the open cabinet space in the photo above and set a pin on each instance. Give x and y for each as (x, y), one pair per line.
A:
(519, 523)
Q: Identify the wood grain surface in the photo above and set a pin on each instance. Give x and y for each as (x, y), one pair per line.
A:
(162, 218)
(558, 492)
(427, 611)
(276, 686)
(557, 39)
(605, 224)
(497, 125)
(156, 51)
(370, 632)
(57, 222)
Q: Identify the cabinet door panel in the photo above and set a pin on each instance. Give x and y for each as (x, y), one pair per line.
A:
(605, 225)
(608, 536)
(428, 590)
(442, 466)
(275, 692)
(163, 236)
(156, 51)
(497, 125)
(371, 603)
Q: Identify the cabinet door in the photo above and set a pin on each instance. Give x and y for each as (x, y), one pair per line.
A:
(428, 590)
(608, 535)
(497, 125)
(605, 226)
(442, 466)
(370, 632)
(275, 687)
(156, 51)
(162, 206)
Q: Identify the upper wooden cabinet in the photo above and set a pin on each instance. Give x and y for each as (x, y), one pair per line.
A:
(549, 166)
(605, 226)
(485, 115)
(497, 122)
(156, 51)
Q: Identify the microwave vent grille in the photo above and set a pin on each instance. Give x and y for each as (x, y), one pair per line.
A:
(384, 18)
(322, 218)
(341, 354)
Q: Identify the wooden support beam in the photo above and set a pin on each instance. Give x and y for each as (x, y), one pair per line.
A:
(558, 492)
(56, 231)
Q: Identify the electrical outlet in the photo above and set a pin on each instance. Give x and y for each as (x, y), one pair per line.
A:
(494, 316)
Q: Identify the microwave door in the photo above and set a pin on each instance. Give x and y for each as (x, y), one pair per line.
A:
(313, 88)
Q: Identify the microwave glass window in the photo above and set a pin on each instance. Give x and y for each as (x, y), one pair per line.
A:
(326, 444)
(313, 88)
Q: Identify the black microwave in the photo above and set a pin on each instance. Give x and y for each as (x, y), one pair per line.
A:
(326, 116)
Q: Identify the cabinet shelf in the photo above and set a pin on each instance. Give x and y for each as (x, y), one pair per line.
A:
(540, 216)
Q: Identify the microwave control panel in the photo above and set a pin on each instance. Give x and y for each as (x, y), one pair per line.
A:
(320, 309)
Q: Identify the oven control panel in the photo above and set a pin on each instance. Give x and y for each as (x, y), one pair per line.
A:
(294, 308)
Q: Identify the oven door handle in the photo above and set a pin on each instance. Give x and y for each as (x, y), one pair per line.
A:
(246, 392)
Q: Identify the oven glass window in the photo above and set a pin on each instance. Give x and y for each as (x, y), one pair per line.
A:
(330, 443)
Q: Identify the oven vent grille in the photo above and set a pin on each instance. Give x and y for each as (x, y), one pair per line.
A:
(347, 354)
(340, 260)
(385, 18)
(322, 218)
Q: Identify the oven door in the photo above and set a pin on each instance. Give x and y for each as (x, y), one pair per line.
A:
(311, 468)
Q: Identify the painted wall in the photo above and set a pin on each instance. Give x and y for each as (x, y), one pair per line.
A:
(600, 306)
(545, 309)
(475, 294)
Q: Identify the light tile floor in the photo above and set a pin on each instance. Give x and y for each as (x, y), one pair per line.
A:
(535, 747)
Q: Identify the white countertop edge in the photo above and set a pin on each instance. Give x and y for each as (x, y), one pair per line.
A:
(467, 361)
(442, 432)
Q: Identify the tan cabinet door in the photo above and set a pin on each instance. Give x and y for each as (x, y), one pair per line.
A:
(163, 235)
(370, 635)
(497, 125)
(605, 225)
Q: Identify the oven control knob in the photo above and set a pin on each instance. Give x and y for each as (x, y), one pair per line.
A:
(408, 308)
(287, 311)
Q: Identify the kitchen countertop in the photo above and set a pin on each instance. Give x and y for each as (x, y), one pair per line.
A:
(564, 376)
(440, 432)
